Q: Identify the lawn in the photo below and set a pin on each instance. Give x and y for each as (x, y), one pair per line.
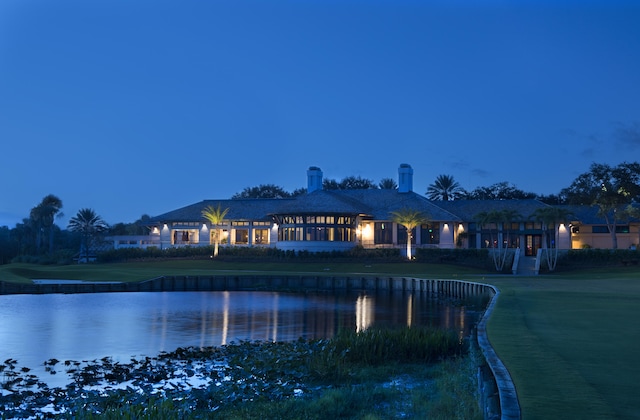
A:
(570, 341)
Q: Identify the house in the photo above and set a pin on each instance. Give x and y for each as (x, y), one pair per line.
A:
(328, 220)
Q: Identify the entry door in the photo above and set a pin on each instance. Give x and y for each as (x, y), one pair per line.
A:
(533, 244)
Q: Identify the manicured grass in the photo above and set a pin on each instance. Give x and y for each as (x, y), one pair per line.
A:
(138, 271)
(571, 343)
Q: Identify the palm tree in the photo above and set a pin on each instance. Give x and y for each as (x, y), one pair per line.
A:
(409, 218)
(551, 216)
(444, 188)
(43, 216)
(498, 221)
(89, 225)
(387, 184)
(215, 216)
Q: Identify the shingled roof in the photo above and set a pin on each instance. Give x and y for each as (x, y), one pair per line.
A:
(375, 204)
(258, 209)
(468, 209)
(588, 215)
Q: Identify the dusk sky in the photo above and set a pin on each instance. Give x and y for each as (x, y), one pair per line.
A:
(133, 107)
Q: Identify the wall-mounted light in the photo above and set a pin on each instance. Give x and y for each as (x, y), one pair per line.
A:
(165, 227)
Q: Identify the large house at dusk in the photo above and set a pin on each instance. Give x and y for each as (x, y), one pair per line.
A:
(325, 220)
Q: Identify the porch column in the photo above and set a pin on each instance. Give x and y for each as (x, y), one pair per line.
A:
(446, 235)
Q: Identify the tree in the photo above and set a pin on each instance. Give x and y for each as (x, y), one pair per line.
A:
(444, 188)
(387, 184)
(611, 189)
(262, 191)
(43, 216)
(215, 216)
(330, 184)
(409, 218)
(139, 227)
(349, 183)
(499, 191)
(499, 223)
(89, 225)
(547, 217)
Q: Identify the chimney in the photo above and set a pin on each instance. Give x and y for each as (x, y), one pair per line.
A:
(314, 179)
(405, 178)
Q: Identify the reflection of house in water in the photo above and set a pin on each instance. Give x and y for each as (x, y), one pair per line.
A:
(225, 317)
(365, 313)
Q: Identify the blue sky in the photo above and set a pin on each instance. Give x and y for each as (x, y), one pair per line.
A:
(140, 107)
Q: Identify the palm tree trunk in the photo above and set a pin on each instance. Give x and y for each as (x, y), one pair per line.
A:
(215, 243)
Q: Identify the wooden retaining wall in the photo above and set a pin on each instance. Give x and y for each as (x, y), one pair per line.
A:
(452, 288)
(497, 392)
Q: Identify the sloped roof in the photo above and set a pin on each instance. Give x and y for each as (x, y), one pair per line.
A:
(588, 215)
(240, 209)
(375, 204)
(468, 209)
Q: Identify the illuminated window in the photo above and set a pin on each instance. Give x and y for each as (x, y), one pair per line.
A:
(261, 236)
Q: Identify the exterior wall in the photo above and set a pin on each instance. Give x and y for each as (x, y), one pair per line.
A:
(585, 238)
(446, 235)
(564, 237)
(315, 246)
(138, 241)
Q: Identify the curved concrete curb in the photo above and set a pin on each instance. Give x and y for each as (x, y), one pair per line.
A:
(509, 405)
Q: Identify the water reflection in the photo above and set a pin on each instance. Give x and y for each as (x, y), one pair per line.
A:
(35, 328)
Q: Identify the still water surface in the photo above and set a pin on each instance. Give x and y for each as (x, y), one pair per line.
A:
(36, 328)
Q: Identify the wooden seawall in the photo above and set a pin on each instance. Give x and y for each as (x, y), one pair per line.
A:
(451, 288)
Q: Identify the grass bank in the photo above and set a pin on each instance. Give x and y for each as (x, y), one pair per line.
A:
(571, 342)
(138, 271)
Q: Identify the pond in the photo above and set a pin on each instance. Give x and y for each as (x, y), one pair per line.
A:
(36, 328)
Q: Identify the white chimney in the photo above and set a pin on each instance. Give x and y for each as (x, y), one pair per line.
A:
(314, 179)
(405, 178)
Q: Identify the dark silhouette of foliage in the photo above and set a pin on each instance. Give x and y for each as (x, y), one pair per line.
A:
(445, 188)
(499, 191)
(387, 184)
(262, 191)
(349, 183)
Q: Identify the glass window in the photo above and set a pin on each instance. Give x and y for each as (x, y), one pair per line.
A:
(622, 229)
(261, 236)
(599, 229)
(242, 236)
(402, 235)
(429, 234)
(382, 233)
